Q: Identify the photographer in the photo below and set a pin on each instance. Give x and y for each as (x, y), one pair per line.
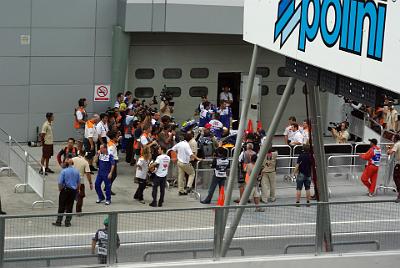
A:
(166, 108)
(340, 132)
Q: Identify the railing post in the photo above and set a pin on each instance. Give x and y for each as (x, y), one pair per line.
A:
(9, 155)
(2, 240)
(218, 232)
(26, 171)
(112, 238)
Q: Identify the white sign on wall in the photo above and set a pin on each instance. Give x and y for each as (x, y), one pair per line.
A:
(358, 39)
(102, 92)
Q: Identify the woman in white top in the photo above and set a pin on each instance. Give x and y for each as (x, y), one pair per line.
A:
(142, 167)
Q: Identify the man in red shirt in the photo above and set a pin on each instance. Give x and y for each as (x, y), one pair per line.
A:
(370, 174)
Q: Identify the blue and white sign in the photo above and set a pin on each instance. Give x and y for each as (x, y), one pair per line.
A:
(355, 38)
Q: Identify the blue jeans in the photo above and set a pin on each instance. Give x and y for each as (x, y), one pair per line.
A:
(303, 180)
(220, 181)
(107, 182)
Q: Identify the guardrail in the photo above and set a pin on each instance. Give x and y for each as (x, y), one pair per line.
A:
(192, 230)
(25, 167)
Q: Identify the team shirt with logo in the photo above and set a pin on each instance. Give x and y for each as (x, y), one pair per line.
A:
(163, 165)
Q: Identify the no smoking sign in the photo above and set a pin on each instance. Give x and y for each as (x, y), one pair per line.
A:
(101, 92)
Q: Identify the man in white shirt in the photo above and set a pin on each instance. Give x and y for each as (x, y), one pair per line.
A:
(226, 95)
(185, 155)
(306, 132)
(159, 180)
(288, 130)
(90, 140)
(297, 138)
(102, 129)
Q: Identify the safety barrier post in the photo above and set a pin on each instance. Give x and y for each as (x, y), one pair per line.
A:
(2, 239)
(26, 171)
(218, 232)
(9, 155)
(112, 238)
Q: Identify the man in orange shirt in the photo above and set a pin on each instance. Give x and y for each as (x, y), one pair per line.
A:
(90, 140)
(370, 174)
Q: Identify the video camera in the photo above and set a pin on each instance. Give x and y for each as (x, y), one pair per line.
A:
(166, 95)
(336, 126)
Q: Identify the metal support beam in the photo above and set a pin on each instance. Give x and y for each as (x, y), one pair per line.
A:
(120, 56)
(242, 127)
(323, 230)
(257, 168)
(112, 238)
(2, 239)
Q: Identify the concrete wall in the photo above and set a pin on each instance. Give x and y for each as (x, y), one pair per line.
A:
(183, 16)
(68, 53)
(217, 53)
(366, 260)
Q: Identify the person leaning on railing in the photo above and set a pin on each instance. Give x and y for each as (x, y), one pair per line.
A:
(101, 239)
(395, 149)
(342, 135)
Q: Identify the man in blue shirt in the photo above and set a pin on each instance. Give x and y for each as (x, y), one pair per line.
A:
(69, 183)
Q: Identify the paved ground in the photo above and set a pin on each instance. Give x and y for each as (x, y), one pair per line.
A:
(259, 233)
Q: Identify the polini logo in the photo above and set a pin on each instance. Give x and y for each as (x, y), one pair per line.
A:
(348, 26)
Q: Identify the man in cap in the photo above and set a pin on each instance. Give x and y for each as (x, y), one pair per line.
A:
(101, 239)
(370, 174)
(395, 149)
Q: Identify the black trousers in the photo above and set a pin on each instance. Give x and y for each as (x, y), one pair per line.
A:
(129, 149)
(114, 174)
(139, 192)
(396, 177)
(159, 182)
(66, 203)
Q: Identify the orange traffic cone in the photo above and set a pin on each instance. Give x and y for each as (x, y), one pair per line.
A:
(249, 127)
(221, 197)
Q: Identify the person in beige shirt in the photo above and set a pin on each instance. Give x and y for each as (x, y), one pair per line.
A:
(341, 136)
(166, 108)
(82, 165)
(268, 179)
(391, 117)
(46, 138)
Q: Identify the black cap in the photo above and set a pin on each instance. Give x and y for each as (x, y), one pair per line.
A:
(374, 141)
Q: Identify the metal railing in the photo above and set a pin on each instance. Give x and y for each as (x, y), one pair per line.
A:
(171, 234)
(24, 166)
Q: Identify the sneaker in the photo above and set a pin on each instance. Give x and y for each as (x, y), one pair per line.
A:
(371, 195)
(107, 203)
(49, 171)
(160, 204)
(112, 193)
(67, 224)
(205, 202)
(188, 190)
(297, 203)
(237, 201)
(58, 224)
(153, 204)
(260, 209)
(308, 203)
(272, 199)
(141, 202)
(2, 212)
(41, 172)
(183, 193)
(98, 201)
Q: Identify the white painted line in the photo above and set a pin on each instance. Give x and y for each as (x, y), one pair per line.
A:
(204, 228)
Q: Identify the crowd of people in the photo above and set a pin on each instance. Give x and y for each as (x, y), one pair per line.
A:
(151, 141)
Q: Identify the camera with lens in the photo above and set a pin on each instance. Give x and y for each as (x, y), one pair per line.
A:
(334, 125)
